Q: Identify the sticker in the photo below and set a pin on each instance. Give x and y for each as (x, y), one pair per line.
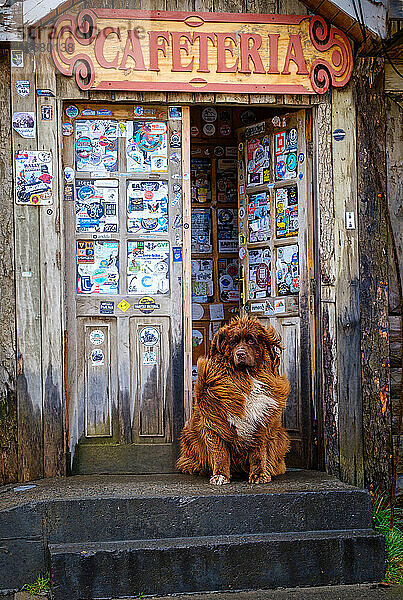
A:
(227, 230)
(177, 254)
(291, 161)
(276, 121)
(228, 272)
(258, 157)
(68, 192)
(146, 152)
(339, 135)
(107, 308)
(255, 129)
(241, 212)
(87, 112)
(219, 151)
(149, 358)
(146, 305)
(34, 177)
(197, 338)
(175, 157)
(301, 158)
(124, 305)
(175, 140)
(148, 267)
(26, 274)
(209, 114)
(247, 117)
(286, 206)
(24, 124)
(68, 174)
(17, 58)
(225, 130)
(97, 337)
(258, 307)
(23, 88)
(71, 111)
(197, 311)
(97, 267)
(96, 205)
(147, 206)
(149, 336)
(209, 129)
(103, 112)
(194, 131)
(280, 169)
(216, 312)
(175, 113)
(201, 231)
(67, 129)
(46, 112)
(280, 142)
(45, 93)
(259, 273)
(97, 357)
(279, 307)
(242, 253)
(202, 280)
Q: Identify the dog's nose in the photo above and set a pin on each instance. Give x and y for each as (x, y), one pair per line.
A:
(241, 353)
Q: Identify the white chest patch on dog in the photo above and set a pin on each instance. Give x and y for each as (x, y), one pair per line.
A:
(258, 406)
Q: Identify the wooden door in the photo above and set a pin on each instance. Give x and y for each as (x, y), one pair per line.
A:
(275, 250)
(123, 223)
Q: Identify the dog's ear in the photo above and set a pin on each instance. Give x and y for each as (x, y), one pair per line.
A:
(217, 344)
(272, 342)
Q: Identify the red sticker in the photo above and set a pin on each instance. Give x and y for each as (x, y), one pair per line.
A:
(280, 142)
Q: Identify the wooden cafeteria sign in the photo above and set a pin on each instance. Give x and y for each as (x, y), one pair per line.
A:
(210, 52)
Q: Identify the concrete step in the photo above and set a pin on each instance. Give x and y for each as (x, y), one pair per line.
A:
(215, 563)
(190, 515)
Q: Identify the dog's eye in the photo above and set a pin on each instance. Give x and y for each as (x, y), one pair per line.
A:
(250, 341)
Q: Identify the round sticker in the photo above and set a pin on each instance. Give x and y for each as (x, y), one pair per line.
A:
(197, 338)
(68, 174)
(292, 136)
(247, 117)
(85, 192)
(149, 336)
(225, 130)
(339, 135)
(226, 282)
(72, 111)
(97, 337)
(95, 210)
(83, 147)
(45, 157)
(194, 131)
(242, 253)
(209, 114)
(209, 129)
(251, 208)
(241, 212)
(233, 270)
(218, 151)
(301, 158)
(67, 128)
(276, 121)
(197, 311)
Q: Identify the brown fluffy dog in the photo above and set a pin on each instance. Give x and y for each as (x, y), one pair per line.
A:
(239, 400)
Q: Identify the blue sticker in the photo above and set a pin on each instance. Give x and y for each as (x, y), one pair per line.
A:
(106, 308)
(280, 168)
(339, 134)
(301, 158)
(177, 254)
(88, 112)
(103, 112)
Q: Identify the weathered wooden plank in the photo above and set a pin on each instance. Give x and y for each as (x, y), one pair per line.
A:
(323, 190)
(8, 396)
(28, 311)
(347, 288)
(291, 7)
(373, 286)
(51, 277)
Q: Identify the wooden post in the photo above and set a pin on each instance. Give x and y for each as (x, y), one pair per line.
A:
(8, 397)
(347, 286)
(187, 268)
(28, 303)
(371, 153)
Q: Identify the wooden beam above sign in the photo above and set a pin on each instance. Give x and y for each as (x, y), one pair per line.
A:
(201, 52)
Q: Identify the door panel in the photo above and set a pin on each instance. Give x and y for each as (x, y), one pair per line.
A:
(274, 208)
(123, 220)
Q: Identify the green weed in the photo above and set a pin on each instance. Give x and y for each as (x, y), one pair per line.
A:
(41, 585)
(393, 532)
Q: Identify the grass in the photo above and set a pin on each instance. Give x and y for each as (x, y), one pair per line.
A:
(42, 584)
(393, 532)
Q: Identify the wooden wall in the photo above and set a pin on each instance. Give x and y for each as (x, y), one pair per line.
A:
(351, 269)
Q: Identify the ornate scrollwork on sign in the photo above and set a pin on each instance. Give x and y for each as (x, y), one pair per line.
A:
(66, 36)
(323, 72)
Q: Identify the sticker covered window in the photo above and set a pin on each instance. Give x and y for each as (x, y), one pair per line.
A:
(95, 146)
(146, 147)
(97, 267)
(147, 206)
(148, 267)
(96, 205)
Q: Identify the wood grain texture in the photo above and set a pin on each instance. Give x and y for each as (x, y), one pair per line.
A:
(28, 312)
(8, 396)
(347, 288)
(376, 410)
(51, 278)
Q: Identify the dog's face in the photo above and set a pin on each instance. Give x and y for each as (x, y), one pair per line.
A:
(247, 345)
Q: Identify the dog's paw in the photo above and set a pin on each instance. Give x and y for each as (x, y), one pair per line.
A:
(259, 478)
(218, 480)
